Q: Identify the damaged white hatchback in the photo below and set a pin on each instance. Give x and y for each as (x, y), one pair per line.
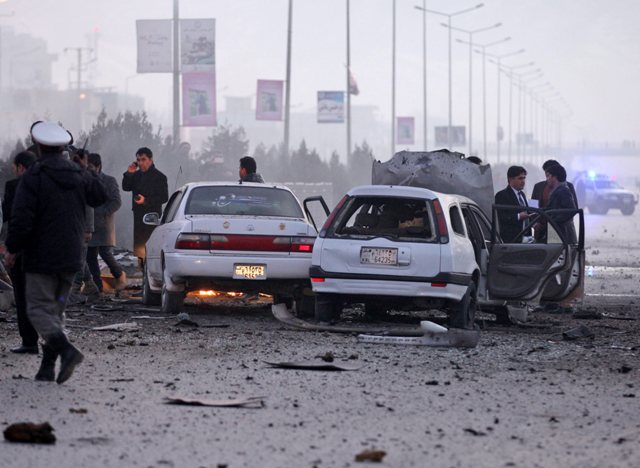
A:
(398, 246)
(229, 236)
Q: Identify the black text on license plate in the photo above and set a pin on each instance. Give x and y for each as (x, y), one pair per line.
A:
(252, 272)
(378, 256)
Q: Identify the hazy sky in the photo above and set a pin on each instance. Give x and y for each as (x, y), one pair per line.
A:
(587, 49)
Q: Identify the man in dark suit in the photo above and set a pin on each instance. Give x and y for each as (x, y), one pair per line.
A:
(542, 190)
(561, 198)
(512, 222)
(149, 191)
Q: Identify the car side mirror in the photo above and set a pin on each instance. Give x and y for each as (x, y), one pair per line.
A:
(152, 219)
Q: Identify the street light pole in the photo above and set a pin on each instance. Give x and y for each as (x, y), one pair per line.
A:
(176, 71)
(393, 82)
(470, 33)
(449, 16)
(348, 83)
(287, 107)
(499, 132)
(484, 84)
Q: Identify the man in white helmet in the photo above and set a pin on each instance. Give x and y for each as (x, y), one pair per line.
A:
(47, 226)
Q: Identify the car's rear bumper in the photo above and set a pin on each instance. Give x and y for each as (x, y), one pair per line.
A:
(444, 286)
(180, 266)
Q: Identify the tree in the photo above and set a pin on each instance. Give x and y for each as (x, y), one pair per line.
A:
(360, 164)
(219, 159)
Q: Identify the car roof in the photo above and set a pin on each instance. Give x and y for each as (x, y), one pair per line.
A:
(406, 191)
(192, 185)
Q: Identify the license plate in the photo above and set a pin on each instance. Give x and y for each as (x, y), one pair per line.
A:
(252, 272)
(378, 256)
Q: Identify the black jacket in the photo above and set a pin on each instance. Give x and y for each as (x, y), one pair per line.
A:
(10, 188)
(562, 198)
(538, 190)
(508, 220)
(152, 185)
(253, 177)
(48, 217)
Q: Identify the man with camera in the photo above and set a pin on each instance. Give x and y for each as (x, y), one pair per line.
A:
(149, 191)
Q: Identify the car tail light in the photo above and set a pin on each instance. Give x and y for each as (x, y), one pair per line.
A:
(442, 222)
(302, 244)
(317, 280)
(192, 241)
(332, 215)
(261, 243)
(438, 285)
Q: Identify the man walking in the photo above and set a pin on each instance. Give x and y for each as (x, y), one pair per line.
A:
(47, 226)
(513, 222)
(104, 234)
(29, 335)
(149, 191)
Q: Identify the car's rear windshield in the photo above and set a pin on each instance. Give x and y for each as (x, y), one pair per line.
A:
(243, 200)
(391, 217)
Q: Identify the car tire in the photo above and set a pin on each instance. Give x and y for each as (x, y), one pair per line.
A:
(149, 297)
(327, 308)
(598, 208)
(502, 315)
(463, 313)
(171, 302)
(628, 210)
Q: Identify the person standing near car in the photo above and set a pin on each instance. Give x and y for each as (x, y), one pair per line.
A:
(104, 234)
(149, 191)
(29, 335)
(513, 222)
(542, 190)
(47, 226)
(248, 169)
(561, 197)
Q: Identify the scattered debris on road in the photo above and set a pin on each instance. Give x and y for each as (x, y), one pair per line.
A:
(124, 327)
(577, 333)
(371, 455)
(434, 335)
(312, 365)
(30, 433)
(250, 402)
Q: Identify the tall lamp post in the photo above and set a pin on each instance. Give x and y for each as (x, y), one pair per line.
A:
(393, 82)
(483, 48)
(449, 17)
(424, 74)
(522, 111)
(470, 33)
(510, 75)
(287, 105)
(499, 133)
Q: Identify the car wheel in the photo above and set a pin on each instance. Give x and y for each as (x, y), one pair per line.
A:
(327, 308)
(149, 297)
(171, 302)
(628, 210)
(502, 315)
(304, 304)
(463, 313)
(598, 208)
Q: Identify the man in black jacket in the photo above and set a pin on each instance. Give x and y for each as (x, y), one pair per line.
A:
(247, 171)
(512, 222)
(542, 190)
(149, 191)
(29, 335)
(47, 225)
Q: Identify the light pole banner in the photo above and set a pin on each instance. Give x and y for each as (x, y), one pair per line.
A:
(330, 106)
(406, 131)
(199, 99)
(269, 100)
(154, 46)
(197, 45)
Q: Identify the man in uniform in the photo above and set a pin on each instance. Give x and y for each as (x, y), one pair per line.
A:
(149, 191)
(47, 226)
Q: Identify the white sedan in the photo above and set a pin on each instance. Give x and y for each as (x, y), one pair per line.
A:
(229, 236)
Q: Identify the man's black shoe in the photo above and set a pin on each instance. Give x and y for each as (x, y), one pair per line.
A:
(25, 349)
(47, 371)
(70, 358)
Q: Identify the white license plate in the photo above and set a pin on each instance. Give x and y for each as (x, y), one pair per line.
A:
(252, 272)
(378, 256)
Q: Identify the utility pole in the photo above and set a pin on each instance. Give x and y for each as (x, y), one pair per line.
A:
(287, 105)
(176, 71)
(393, 83)
(81, 64)
(348, 85)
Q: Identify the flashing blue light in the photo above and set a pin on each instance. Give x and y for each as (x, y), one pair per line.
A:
(591, 174)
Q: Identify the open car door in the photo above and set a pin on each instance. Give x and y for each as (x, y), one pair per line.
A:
(322, 215)
(551, 269)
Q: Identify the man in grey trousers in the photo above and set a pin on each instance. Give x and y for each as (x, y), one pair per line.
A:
(47, 225)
